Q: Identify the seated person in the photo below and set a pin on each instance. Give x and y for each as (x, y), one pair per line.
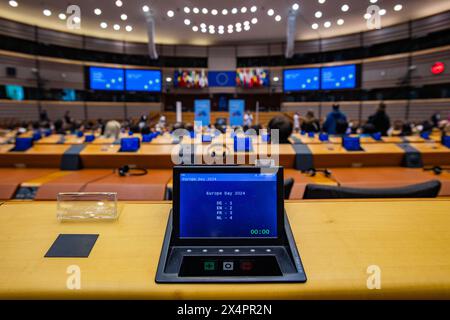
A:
(310, 123)
(112, 129)
(284, 127)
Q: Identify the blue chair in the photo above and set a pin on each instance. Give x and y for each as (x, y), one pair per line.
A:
(351, 143)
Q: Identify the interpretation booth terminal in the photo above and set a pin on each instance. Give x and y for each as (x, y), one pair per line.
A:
(228, 225)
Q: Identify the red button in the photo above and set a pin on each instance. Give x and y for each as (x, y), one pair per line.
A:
(246, 266)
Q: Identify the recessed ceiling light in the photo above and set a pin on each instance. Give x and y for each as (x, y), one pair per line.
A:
(246, 22)
(214, 12)
(318, 14)
(382, 12)
(315, 26)
(146, 8)
(278, 18)
(13, 4)
(276, 79)
(170, 13)
(221, 27)
(255, 20)
(327, 24)
(367, 16)
(234, 11)
(373, 1)
(322, 1)
(398, 7)
(187, 10)
(221, 31)
(119, 3)
(196, 10)
(238, 25)
(238, 29)
(98, 11)
(230, 26)
(187, 22)
(295, 6)
(123, 17)
(340, 22)
(168, 79)
(77, 20)
(230, 31)
(253, 9)
(270, 12)
(62, 16)
(345, 8)
(244, 9)
(195, 28)
(203, 26)
(116, 27)
(47, 13)
(204, 11)
(246, 28)
(129, 28)
(212, 31)
(204, 30)
(224, 12)
(103, 25)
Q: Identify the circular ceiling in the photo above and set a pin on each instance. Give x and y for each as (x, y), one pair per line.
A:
(213, 22)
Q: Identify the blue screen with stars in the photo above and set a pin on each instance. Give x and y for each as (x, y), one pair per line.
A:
(143, 80)
(228, 205)
(342, 77)
(301, 79)
(106, 78)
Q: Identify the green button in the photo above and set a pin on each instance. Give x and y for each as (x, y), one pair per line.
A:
(209, 266)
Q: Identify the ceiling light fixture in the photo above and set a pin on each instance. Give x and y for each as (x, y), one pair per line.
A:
(195, 28)
(345, 8)
(119, 3)
(116, 27)
(382, 12)
(123, 17)
(146, 8)
(244, 9)
(186, 10)
(170, 13)
(327, 24)
(129, 28)
(47, 13)
(254, 20)
(398, 7)
(187, 22)
(318, 14)
(278, 18)
(98, 11)
(103, 25)
(340, 22)
(322, 1)
(196, 10)
(253, 9)
(234, 11)
(270, 12)
(13, 4)
(224, 12)
(205, 11)
(315, 26)
(295, 6)
(214, 12)
(62, 16)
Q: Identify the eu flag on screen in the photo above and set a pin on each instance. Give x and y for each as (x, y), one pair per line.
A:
(342, 77)
(222, 78)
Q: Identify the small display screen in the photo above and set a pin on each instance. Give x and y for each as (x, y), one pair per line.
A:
(143, 80)
(343, 77)
(106, 79)
(301, 79)
(228, 205)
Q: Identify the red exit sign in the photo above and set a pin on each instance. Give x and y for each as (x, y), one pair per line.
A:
(438, 68)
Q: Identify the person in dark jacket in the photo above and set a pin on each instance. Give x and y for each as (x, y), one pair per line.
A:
(310, 123)
(380, 120)
(333, 118)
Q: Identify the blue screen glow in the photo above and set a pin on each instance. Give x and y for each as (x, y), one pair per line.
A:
(143, 80)
(224, 205)
(301, 79)
(106, 78)
(343, 77)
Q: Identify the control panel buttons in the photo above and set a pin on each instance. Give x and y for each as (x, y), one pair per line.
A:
(209, 266)
(246, 266)
(228, 266)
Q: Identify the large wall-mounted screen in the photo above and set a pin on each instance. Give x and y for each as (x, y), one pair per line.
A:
(143, 80)
(106, 79)
(342, 77)
(301, 79)
(252, 78)
(196, 79)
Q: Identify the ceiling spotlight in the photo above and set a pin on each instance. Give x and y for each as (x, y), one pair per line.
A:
(254, 20)
(119, 3)
(187, 22)
(230, 26)
(327, 24)
(214, 12)
(367, 16)
(345, 8)
(278, 18)
(230, 31)
(315, 26)
(382, 12)
(204, 30)
(103, 25)
(195, 28)
(77, 20)
(204, 11)
(116, 27)
(170, 13)
(186, 10)
(203, 26)
(224, 12)
(398, 7)
(98, 11)
(211, 26)
(238, 29)
(234, 11)
(246, 23)
(221, 31)
(168, 79)
(123, 17)
(244, 9)
(373, 1)
(253, 9)
(276, 79)
(318, 14)
(340, 22)
(62, 16)
(247, 27)
(238, 25)
(13, 4)
(295, 6)
(129, 28)
(212, 31)
(47, 13)
(270, 12)
(322, 1)
(146, 8)
(196, 10)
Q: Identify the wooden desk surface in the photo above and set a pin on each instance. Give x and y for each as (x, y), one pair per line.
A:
(338, 241)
